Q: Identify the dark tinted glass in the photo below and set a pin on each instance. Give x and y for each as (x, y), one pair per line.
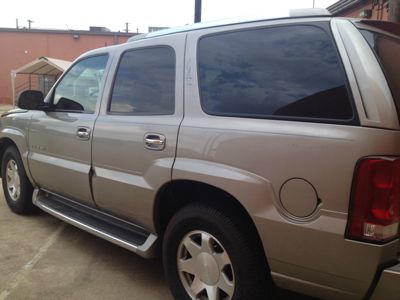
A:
(387, 49)
(290, 71)
(145, 83)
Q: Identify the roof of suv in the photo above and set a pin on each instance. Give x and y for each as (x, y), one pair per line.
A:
(293, 13)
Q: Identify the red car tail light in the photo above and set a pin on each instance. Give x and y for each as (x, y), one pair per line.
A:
(375, 201)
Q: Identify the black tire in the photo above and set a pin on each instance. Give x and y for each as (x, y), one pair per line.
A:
(22, 204)
(249, 267)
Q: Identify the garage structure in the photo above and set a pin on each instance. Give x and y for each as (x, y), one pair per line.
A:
(40, 74)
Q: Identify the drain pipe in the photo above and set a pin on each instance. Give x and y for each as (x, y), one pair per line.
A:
(394, 10)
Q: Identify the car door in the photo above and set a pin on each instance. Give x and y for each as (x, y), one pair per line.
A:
(60, 139)
(135, 135)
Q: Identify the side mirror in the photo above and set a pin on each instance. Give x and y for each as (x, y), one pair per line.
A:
(30, 99)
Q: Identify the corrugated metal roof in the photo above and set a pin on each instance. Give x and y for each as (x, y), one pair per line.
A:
(44, 66)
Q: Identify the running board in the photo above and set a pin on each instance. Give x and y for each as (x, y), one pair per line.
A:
(114, 230)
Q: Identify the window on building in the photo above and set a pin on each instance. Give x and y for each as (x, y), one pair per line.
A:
(79, 89)
(145, 83)
(279, 72)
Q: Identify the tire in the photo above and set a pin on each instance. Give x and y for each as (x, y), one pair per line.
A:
(190, 265)
(16, 185)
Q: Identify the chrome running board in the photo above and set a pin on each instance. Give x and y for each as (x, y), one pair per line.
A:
(114, 230)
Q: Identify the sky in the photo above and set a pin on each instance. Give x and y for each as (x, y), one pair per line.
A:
(80, 14)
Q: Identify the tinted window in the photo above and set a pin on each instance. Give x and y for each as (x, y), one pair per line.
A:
(145, 83)
(79, 88)
(387, 49)
(290, 71)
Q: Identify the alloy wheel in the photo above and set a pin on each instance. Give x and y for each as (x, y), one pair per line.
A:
(205, 268)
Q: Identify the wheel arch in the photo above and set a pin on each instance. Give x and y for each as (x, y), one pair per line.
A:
(177, 194)
(20, 145)
(4, 144)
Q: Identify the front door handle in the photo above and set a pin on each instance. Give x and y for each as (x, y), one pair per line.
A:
(154, 141)
(83, 133)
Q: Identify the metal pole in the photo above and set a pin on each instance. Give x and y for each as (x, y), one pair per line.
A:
(13, 75)
(197, 11)
(313, 3)
(394, 10)
(30, 22)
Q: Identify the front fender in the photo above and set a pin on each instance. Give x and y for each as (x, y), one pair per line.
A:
(14, 130)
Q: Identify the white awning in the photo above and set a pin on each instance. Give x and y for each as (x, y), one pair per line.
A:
(44, 66)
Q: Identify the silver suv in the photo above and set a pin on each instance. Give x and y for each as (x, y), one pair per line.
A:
(253, 154)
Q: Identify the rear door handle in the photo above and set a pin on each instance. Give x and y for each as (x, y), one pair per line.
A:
(154, 141)
(83, 133)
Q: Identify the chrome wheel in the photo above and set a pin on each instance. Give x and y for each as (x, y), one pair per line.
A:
(13, 180)
(204, 267)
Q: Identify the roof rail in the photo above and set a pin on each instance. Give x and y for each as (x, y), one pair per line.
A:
(293, 13)
(137, 37)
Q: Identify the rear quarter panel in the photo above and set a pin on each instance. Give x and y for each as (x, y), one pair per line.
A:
(251, 159)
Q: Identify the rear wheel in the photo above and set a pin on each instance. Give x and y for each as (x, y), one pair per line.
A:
(16, 185)
(207, 255)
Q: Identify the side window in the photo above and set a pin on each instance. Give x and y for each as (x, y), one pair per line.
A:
(145, 83)
(79, 88)
(278, 72)
(387, 49)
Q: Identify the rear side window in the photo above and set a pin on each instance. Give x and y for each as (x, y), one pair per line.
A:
(145, 83)
(289, 72)
(387, 50)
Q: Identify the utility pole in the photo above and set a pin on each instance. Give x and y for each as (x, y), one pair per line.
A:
(197, 11)
(16, 23)
(127, 27)
(313, 3)
(394, 10)
(30, 22)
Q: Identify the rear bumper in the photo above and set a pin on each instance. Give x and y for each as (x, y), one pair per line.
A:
(388, 286)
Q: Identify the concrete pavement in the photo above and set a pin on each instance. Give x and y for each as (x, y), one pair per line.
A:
(44, 258)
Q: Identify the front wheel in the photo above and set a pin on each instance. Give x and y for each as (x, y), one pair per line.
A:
(207, 255)
(16, 185)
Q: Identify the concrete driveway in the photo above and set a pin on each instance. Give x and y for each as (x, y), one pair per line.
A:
(44, 258)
